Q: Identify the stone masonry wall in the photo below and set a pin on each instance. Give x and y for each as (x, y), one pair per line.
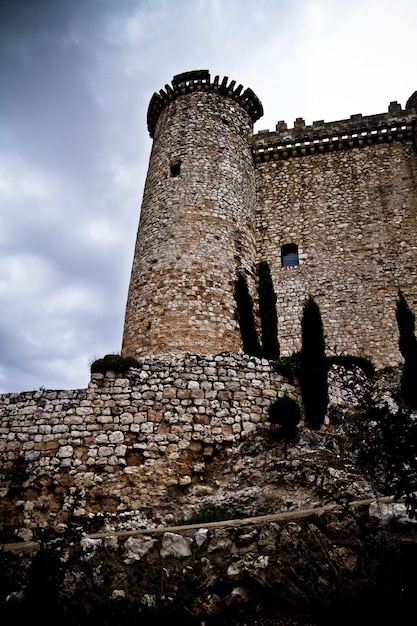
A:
(122, 443)
(352, 214)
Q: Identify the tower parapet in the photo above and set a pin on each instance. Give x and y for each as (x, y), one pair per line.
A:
(358, 131)
(199, 80)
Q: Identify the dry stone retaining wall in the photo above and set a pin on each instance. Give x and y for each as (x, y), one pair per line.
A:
(123, 444)
(125, 441)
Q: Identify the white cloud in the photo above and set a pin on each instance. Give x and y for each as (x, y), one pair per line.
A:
(24, 274)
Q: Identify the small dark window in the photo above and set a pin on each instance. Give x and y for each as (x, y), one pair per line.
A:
(289, 255)
(175, 169)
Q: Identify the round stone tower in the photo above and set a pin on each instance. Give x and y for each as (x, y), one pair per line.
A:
(197, 222)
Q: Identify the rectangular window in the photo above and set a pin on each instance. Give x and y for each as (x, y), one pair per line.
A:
(289, 255)
(175, 169)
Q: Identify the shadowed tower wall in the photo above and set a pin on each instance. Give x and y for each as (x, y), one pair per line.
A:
(197, 222)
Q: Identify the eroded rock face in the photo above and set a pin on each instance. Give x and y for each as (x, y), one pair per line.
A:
(295, 572)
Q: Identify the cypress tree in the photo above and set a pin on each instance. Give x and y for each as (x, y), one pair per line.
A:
(408, 347)
(246, 317)
(313, 365)
(268, 312)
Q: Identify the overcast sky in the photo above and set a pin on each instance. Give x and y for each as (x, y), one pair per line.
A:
(76, 77)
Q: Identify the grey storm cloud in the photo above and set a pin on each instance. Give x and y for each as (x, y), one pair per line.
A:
(76, 77)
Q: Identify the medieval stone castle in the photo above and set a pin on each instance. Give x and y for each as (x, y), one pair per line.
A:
(332, 207)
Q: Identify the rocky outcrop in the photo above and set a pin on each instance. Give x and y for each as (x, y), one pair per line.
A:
(299, 572)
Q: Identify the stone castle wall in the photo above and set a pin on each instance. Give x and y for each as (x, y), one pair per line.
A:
(125, 446)
(353, 216)
(346, 194)
(218, 199)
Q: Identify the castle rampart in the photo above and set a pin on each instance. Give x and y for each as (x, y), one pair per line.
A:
(120, 446)
(122, 443)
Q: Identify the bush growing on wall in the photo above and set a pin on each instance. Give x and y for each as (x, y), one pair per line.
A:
(313, 365)
(268, 312)
(350, 361)
(285, 412)
(289, 366)
(408, 347)
(114, 363)
(246, 317)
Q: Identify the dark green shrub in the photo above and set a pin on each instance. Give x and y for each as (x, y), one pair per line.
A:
(114, 363)
(246, 317)
(268, 312)
(285, 412)
(349, 361)
(289, 366)
(207, 516)
(408, 347)
(313, 365)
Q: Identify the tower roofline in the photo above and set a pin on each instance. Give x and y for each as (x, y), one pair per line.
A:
(199, 80)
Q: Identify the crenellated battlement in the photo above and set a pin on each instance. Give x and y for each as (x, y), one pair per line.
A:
(283, 143)
(199, 80)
